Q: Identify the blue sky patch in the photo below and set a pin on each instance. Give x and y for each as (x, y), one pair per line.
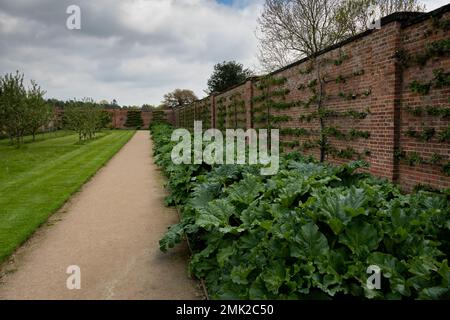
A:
(226, 2)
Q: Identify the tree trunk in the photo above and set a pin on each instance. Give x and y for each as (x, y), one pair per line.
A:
(323, 138)
(269, 123)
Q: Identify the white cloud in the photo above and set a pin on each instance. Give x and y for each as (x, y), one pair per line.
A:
(130, 50)
(434, 4)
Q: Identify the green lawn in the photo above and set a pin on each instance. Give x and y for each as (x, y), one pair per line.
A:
(39, 137)
(38, 178)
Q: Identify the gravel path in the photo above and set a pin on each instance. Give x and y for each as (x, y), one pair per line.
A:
(110, 229)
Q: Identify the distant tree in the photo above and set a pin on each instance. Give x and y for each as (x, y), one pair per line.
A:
(40, 113)
(13, 107)
(147, 107)
(104, 104)
(84, 117)
(163, 106)
(226, 75)
(73, 118)
(105, 119)
(179, 98)
(55, 103)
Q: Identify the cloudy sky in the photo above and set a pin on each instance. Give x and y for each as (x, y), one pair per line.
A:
(130, 50)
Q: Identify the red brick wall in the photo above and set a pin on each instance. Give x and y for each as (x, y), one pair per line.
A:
(415, 39)
(368, 66)
(231, 107)
(365, 83)
(119, 117)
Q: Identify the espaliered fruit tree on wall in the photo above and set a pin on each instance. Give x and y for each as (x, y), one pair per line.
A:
(236, 116)
(159, 116)
(430, 114)
(268, 100)
(221, 113)
(315, 127)
(187, 117)
(203, 113)
(134, 119)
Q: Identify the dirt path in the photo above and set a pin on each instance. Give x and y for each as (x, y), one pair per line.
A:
(110, 229)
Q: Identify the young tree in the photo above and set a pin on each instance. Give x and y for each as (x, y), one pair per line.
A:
(291, 29)
(2, 115)
(40, 113)
(84, 117)
(13, 107)
(22, 111)
(226, 75)
(105, 120)
(73, 118)
(179, 98)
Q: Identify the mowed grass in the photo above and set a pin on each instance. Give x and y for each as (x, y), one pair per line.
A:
(38, 178)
